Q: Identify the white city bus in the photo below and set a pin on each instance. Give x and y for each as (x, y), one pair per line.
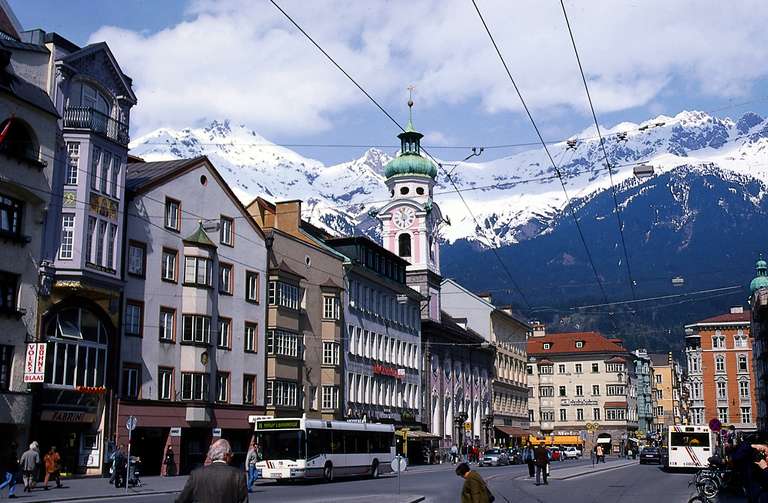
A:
(687, 446)
(313, 448)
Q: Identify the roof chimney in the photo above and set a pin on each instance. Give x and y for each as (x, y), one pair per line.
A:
(737, 310)
(288, 216)
(486, 296)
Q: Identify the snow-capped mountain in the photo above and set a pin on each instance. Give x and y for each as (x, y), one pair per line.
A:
(515, 198)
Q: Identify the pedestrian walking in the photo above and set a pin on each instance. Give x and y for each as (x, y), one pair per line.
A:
(30, 460)
(529, 459)
(169, 462)
(52, 461)
(217, 482)
(592, 456)
(600, 453)
(9, 470)
(474, 490)
(454, 454)
(250, 464)
(541, 457)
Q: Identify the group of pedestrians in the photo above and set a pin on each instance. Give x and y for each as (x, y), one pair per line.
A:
(537, 458)
(27, 467)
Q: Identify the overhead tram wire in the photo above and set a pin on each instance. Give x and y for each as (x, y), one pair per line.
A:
(605, 153)
(391, 118)
(546, 149)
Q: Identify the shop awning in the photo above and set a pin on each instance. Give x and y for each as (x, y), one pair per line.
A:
(419, 435)
(513, 431)
(556, 440)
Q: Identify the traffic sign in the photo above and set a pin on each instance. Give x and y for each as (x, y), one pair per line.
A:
(398, 464)
(715, 424)
(131, 423)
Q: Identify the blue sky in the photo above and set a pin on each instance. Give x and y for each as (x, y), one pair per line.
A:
(197, 60)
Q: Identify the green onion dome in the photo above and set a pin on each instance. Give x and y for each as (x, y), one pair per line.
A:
(410, 164)
(761, 280)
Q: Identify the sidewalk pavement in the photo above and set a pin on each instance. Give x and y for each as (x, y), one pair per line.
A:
(577, 471)
(97, 488)
(92, 488)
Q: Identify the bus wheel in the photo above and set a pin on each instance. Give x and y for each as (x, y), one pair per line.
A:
(375, 469)
(328, 472)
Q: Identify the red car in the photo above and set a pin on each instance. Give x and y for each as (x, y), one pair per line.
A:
(556, 453)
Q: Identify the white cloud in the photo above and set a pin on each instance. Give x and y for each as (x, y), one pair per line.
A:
(242, 60)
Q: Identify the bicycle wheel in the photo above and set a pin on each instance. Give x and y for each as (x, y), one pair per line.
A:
(708, 487)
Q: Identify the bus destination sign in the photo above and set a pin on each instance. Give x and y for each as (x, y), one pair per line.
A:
(278, 425)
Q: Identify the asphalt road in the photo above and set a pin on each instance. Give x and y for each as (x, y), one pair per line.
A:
(571, 482)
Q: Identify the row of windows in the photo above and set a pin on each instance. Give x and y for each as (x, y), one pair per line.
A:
(101, 238)
(740, 340)
(744, 416)
(198, 271)
(285, 394)
(105, 170)
(578, 368)
(383, 348)
(611, 414)
(382, 305)
(742, 364)
(173, 222)
(283, 295)
(384, 391)
(503, 402)
(196, 328)
(610, 390)
(194, 385)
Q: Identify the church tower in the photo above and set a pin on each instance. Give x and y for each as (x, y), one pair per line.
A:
(411, 220)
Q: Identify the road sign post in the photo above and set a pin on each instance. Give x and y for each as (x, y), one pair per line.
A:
(399, 464)
(130, 425)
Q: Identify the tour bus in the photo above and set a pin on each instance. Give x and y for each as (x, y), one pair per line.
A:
(687, 446)
(314, 448)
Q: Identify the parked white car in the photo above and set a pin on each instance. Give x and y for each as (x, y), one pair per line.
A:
(572, 453)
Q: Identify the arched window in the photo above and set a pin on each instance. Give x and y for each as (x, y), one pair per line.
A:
(18, 140)
(720, 363)
(404, 245)
(743, 363)
(77, 349)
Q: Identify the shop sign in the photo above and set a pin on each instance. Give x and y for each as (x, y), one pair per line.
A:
(578, 401)
(176, 431)
(285, 424)
(103, 206)
(467, 426)
(67, 416)
(34, 366)
(386, 371)
(217, 432)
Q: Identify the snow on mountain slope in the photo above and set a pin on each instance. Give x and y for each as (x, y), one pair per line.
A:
(513, 198)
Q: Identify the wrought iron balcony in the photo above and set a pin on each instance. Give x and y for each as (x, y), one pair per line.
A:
(97, 122)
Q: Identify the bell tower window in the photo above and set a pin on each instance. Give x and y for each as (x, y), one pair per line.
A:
(404, 245)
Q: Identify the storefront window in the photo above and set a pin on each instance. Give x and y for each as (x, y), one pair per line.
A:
(77, 349)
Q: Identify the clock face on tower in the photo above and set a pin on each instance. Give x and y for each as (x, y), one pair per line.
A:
(404, 217)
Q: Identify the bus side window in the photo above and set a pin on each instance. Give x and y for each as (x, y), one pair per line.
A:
(318, 441)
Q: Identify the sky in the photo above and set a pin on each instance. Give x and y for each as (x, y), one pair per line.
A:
(193, 61)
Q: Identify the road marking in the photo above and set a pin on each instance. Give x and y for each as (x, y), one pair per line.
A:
(589, 474)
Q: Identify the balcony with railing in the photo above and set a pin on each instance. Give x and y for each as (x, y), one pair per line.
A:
(97, 122)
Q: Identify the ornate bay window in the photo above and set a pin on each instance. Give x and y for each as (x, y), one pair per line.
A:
(77, 349)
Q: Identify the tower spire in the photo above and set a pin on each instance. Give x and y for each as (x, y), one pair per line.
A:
(409, 126)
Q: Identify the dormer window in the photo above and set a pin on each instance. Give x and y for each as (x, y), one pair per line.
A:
(579, 344)
(547, 345)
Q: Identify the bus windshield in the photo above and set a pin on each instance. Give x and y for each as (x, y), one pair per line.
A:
(688, 439)
(283, 444)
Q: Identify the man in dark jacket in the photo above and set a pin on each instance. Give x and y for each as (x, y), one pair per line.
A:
(474, 490)
(218, 482)
(541, 458)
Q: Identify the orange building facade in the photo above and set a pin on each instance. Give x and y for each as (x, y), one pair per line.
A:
(721, 378)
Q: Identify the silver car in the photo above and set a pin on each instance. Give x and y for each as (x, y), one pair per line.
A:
(494, 457)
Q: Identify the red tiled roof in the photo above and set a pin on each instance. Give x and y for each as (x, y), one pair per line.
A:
(615, 405)
(745, 317)
(561, 343)
(616, 359)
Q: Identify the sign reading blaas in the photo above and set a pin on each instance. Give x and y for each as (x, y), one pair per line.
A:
(34, 365)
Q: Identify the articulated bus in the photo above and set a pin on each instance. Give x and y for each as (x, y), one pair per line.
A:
(687, 446)
(314, 448)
